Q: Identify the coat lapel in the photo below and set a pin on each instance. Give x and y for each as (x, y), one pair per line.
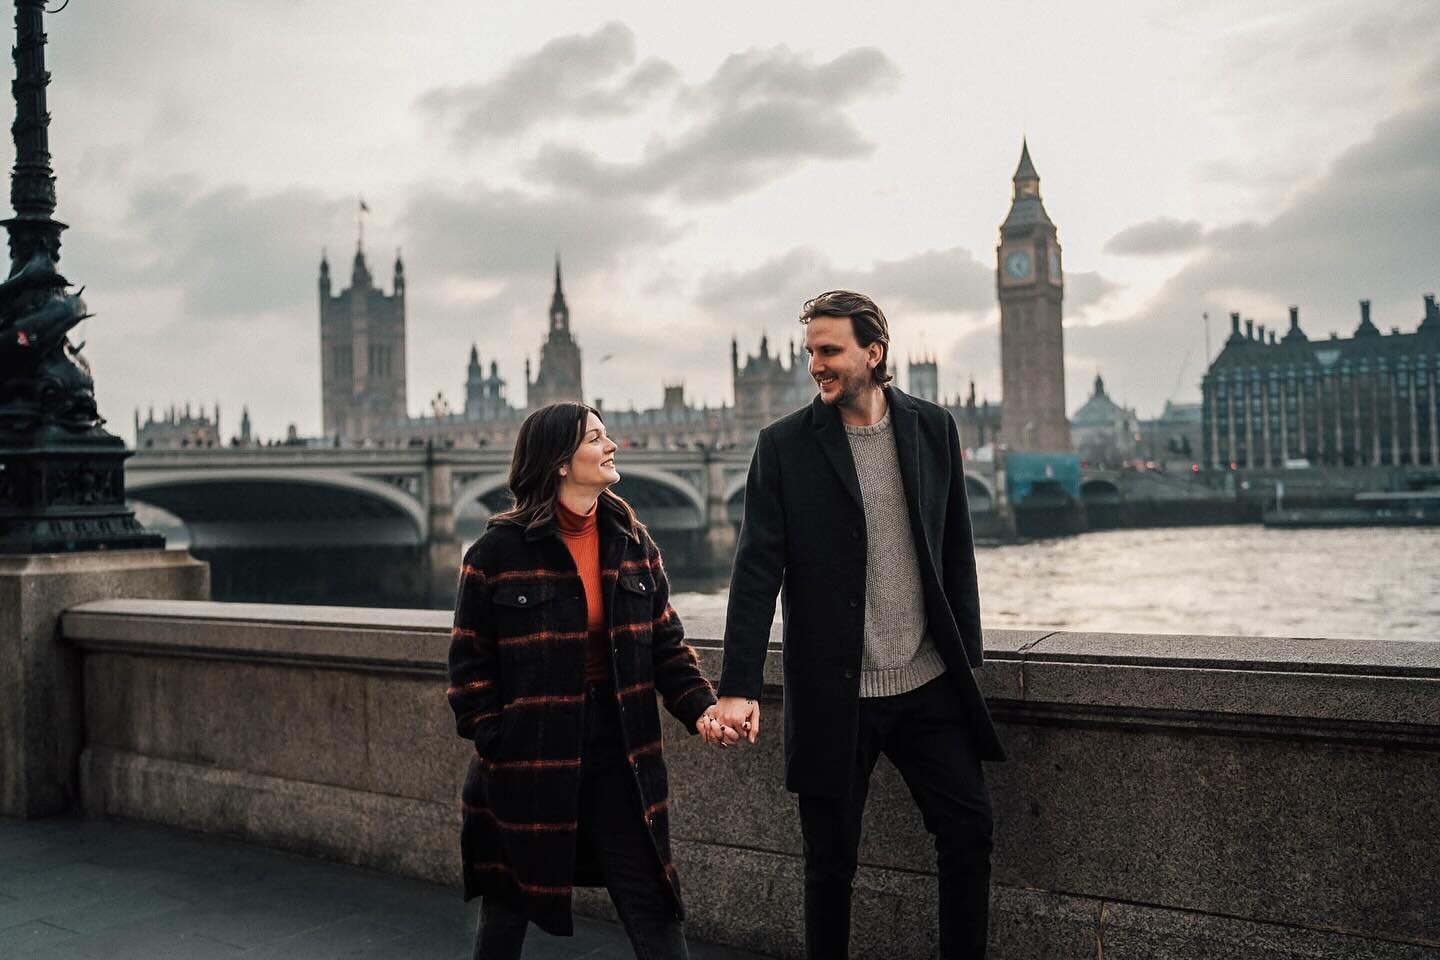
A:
(830, 434)
(905, 420)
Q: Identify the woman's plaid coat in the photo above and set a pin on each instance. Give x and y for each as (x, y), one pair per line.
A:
(517, 675)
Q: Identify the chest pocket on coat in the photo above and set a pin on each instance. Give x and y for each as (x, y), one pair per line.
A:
(523, 595)
(525, 623)
(635, 602)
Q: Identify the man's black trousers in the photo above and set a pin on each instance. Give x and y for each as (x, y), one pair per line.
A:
(924, 734)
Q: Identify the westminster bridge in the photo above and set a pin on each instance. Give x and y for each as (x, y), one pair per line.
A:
(388, 524)
(376, 525)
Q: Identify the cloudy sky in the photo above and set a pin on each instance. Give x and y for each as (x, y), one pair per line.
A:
(704, 168)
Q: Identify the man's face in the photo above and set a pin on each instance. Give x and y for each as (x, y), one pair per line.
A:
(840, 366)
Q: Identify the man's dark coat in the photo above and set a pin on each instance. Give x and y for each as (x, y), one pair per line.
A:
(517, 686)
(804, 528)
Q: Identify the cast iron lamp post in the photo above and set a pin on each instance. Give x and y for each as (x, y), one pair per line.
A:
(62, 476)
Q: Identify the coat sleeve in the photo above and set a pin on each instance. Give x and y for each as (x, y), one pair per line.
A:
(757, 575)
(474, 661)
(961, 588)
(678, 679)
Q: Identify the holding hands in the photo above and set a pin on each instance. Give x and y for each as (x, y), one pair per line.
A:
(739, 714)
(712, 731)
(724, 723)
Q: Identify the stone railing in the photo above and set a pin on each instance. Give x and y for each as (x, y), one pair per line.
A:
(1166, 796)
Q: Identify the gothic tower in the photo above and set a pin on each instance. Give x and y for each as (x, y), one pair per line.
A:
(1032, 341)
(362, 351)
(559, 375)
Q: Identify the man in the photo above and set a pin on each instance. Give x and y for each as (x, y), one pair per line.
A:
(856, 504)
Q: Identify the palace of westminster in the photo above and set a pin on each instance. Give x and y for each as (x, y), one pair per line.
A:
(1369, 400)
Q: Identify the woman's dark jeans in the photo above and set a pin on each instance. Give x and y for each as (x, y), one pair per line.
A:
(611, 822)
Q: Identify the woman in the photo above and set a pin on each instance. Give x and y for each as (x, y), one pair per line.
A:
(563, 636)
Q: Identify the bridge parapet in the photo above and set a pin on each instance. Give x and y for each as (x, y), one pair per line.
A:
(1166, 796)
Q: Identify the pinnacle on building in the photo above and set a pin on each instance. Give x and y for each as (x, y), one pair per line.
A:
(558, 376)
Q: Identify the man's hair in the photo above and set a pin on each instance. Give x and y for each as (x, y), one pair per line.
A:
(867, 321)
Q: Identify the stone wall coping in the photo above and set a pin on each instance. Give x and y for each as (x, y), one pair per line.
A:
(419, 636)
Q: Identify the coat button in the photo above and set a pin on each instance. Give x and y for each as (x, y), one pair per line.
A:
(642, 588)
(854, 602)
(849, 674)
(855, 534)
(521, 600)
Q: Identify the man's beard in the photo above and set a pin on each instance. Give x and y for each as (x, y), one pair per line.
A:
(848, 390)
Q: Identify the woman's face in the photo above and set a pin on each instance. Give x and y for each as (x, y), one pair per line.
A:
(593, 465)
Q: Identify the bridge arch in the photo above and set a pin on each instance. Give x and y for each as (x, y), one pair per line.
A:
(979, 494)
(259, 507)
(1100, 491)
(660, 498)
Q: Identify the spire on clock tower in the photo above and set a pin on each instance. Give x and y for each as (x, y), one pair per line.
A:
(1026, 170)
(1026, 208)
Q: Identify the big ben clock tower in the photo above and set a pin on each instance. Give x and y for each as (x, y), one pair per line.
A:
(1032, 341)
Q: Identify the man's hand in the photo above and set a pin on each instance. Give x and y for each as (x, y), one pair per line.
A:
(740, 714)
(711, 730)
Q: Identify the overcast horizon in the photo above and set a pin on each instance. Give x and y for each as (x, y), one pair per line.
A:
(701, 179)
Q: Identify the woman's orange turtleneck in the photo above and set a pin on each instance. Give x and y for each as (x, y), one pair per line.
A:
(582, 538)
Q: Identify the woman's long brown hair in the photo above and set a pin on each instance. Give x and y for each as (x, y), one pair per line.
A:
(547, 440)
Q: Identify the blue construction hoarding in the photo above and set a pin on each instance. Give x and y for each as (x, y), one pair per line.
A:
(1052, 473)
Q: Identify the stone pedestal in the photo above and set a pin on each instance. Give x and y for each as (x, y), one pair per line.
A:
(41, 714)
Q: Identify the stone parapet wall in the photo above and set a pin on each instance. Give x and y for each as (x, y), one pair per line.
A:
(1166, 796)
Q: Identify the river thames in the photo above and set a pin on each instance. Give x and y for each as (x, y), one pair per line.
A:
(1373, 583)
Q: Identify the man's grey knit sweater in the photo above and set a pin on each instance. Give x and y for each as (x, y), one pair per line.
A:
(899, 654)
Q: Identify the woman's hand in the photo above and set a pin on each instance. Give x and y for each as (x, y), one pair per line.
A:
(713, 731)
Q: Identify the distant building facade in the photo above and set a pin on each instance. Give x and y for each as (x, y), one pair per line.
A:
(362, 352)
(1105, 433)
(177, 428)
(1174, 440)
(767, 386)
(1366, 400)
(923, 378)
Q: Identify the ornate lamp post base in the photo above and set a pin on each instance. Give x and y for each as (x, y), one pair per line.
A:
(63, 498)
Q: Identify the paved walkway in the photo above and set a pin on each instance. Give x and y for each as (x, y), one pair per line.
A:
(95, 889)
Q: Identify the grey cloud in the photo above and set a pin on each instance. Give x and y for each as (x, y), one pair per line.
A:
(932, 281)
(1158, 237)
(773, 290)
(1084, 290)
(975, 355)
(476, 231)
(1365, 230)
(1429, 78)
(763, 114)
(228, 249)
(759, 76)
(571, 76)
(231, 250)
(935, 280)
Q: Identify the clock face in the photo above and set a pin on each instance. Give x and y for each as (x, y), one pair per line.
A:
(1054, 265)
(1017, 265)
